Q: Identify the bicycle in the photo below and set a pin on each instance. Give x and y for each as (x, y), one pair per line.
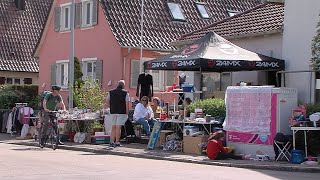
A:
(52, 133)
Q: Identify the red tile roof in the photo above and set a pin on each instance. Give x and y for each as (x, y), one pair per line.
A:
(20, 32)
(263, 19)
(159, 29)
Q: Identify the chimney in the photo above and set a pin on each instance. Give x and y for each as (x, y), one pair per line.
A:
(20, 4)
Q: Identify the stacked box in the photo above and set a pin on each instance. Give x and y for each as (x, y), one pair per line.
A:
(102, 139)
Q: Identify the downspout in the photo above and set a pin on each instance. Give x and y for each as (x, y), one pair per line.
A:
(124, 63)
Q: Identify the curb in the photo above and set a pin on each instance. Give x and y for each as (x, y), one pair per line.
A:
(158, 157)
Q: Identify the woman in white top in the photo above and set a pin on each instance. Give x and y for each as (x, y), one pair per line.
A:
(143, 115)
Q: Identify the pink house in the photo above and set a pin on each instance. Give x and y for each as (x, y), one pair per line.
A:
(107, 37)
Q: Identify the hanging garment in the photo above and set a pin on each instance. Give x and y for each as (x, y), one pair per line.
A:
(9, 123)
(4, 121)
(24, 130)
(145, 85)
(25, 113)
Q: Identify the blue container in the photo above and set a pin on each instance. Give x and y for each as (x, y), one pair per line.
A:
(187, 87)
(297, 157)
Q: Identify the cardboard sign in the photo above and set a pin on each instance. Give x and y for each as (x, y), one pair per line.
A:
(154, 135)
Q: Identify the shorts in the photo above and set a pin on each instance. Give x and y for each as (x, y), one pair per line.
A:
(119, 119)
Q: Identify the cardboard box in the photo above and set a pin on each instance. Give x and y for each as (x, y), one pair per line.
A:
(191, 144)
(162, 137)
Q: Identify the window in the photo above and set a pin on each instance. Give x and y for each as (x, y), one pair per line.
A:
(9, 80)
(62, 73)
(13, 81)
(89, 68)
(65, 17)
(176, 11)
(27, 80)
(2, 80)
(232, 13)
(87, 9)
(202, 10)
(16, 81)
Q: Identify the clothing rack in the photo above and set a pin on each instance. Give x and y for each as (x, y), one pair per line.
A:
(21, 104)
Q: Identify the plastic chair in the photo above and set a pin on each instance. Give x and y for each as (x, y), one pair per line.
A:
(283, 148)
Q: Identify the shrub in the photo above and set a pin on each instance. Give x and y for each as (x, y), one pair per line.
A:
(312, 108)
(215, 107)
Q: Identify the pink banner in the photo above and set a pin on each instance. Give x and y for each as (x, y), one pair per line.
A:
(258, 138)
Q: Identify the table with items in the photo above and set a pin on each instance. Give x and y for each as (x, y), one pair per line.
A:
(305, 130)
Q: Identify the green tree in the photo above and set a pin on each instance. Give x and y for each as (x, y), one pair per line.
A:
(315, 49)
(77, 70)
(89, 95)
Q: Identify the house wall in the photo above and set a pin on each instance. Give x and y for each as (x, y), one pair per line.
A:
(21, 75)
(269, 45)
(97, 41)
(300, 22)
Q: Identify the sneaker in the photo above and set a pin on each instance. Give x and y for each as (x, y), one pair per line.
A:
(112, 145)
(118, 145)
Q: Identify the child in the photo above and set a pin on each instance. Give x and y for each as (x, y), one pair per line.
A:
(215, 149)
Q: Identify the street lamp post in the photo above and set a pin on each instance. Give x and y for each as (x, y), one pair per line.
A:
(71, 62)
(141, 36)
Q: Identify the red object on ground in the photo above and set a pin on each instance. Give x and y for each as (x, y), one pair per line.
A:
(214, 147)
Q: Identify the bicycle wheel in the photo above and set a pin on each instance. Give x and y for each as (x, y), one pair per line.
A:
(40, 138)
(54, 138)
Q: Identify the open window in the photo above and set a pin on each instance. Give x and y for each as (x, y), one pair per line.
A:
(201, 7)
(176, 11)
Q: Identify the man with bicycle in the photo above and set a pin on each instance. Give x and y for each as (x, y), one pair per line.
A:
(52, 101)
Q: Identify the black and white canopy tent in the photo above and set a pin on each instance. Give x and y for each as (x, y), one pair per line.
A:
(212, 53)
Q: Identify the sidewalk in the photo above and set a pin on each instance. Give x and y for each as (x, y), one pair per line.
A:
(137, 150)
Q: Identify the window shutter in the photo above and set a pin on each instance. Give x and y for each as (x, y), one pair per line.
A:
(99, 71)
(78, 15)
(53, 74)
(170, 78)
(57, 14)
(95, 12)
(134, 73)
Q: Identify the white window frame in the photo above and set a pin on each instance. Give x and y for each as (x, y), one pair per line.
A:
(198, 4)
(183, 18)
(63, 17)
(65, 82)
(85, 13)
(85, 62)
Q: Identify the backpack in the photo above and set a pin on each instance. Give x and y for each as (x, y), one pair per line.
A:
(42, 96)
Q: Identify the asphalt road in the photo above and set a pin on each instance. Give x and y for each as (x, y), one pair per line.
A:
(25, 162)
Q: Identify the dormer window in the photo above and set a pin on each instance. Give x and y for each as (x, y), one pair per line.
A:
(176, 11)
(202, 10)
(232, 13)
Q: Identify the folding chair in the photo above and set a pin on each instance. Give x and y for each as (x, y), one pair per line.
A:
(283, 148)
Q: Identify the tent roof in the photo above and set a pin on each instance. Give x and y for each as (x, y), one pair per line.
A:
(213, 53)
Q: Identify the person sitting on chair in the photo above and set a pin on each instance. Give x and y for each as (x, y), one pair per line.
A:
(157, 110)
(143, 115)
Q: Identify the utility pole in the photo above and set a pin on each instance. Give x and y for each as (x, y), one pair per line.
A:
(141, 36)
(71, 61)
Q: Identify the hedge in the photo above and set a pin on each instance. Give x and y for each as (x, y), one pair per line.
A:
(11, 94)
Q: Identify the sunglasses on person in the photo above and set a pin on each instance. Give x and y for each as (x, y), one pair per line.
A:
(144, 100)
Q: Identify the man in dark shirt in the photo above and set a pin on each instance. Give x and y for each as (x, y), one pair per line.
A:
(118, 101)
